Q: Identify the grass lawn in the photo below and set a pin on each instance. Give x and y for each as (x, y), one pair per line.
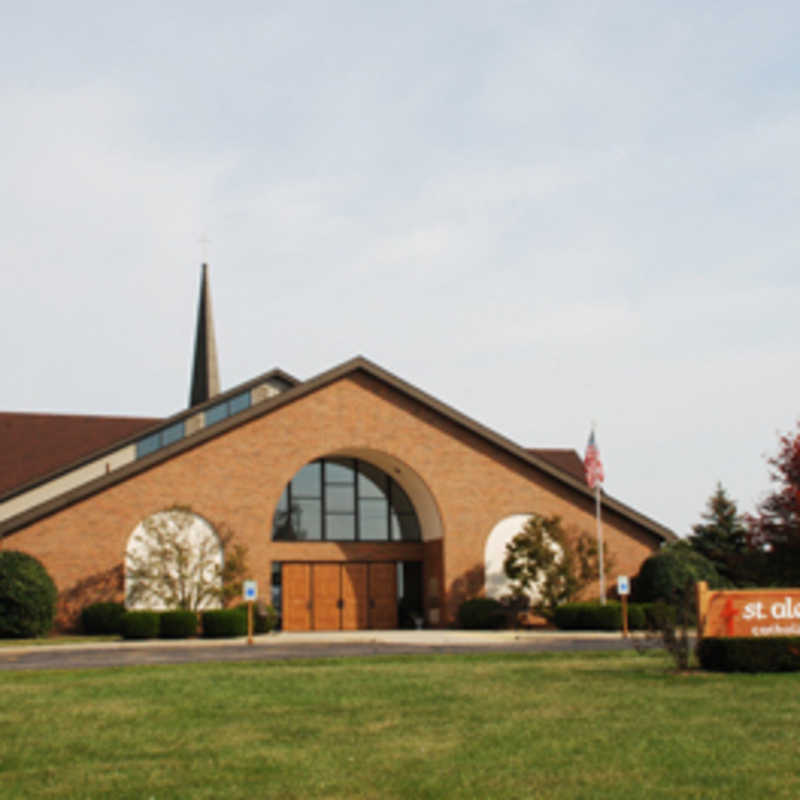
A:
(479, 726)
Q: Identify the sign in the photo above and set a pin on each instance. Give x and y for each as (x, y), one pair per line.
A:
(250, 591)
(623, 585)
(748, 612)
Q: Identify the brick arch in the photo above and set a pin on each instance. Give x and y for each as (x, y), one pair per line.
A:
(411, 482)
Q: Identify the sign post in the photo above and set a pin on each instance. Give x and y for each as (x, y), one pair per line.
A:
(623, 590)
(250, 595)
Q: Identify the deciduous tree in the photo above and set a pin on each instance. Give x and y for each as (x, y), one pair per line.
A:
(775, 528)
(175, 563)
(543, 565)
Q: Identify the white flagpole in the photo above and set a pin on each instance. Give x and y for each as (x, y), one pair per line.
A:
(600, 544)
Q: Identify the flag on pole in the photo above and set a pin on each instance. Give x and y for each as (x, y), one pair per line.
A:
(592, 464)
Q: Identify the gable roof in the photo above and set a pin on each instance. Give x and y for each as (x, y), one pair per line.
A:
(34, 445)
(567, 460)
(359, 364)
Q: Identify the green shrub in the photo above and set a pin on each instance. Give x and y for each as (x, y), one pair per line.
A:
(766, 654)
(481, 613)
(224, 622)
(637, 617)
(588, 617)
(265, 617)
(597, 617)
(659, 616)
(666, 576)
(27, 596)
(177, 624)
(140, 625)
(102, 618)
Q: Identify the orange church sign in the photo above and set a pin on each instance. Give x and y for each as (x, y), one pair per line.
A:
(748, 612)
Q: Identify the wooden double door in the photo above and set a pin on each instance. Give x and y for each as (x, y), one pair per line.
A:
(326, 596)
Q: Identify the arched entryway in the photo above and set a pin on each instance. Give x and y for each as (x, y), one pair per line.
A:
(349, 546)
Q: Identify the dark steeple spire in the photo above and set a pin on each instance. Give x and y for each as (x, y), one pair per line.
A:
(205, 374)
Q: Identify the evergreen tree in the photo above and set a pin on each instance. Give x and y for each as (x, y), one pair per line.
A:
(722, 539)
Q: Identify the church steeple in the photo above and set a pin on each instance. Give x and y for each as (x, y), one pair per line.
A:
(205, 373)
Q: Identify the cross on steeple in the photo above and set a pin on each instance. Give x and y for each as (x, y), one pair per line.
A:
(205, 372)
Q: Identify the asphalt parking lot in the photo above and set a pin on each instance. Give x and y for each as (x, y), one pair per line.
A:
(282, 646)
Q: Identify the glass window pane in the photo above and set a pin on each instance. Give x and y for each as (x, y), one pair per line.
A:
(239, 403)
(405, 528)
(373, 521)
(148, 445)
(216, 413)
(340, 498)
(340, 471)
(306, 519)
(283, 503)
(282, 527)
(400, 501)
(371, 481)
(307, 482)
(172, 434)
(340, 527)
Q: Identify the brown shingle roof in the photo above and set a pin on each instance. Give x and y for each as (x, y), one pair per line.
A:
(567, 460)
(358, 364)
(33, 445)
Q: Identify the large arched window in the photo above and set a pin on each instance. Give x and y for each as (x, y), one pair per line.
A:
(344, 500)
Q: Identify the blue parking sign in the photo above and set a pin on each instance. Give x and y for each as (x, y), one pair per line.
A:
(250, 590)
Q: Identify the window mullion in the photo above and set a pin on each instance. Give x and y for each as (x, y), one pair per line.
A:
(322, 504)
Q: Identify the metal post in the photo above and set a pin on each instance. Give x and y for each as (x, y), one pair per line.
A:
(600, 546)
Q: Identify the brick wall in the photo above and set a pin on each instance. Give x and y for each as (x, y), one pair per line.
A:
(236, 480)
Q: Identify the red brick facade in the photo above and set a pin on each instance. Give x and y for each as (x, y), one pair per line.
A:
(235, 479)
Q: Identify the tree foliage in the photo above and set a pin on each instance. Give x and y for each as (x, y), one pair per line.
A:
(666, 576)
(27, 596)
(169, 566)
(543, 565)
(722, 538)
(775, 528)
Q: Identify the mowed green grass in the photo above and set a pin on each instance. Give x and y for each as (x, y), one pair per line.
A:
(482, 726)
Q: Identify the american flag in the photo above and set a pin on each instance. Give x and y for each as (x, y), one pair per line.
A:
(592, 464)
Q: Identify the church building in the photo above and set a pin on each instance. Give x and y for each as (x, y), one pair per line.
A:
(361, 501)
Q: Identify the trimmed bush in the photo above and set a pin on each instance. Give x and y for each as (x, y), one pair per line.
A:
(102, 618)
(27, 596)
(598, 617)
(659, 616)
(767, 654)
(667, 575)
(265, 617)
(177, 624)
(637, 617)
(588, 617)
(225, 622)
(140, 625)
(481, 613)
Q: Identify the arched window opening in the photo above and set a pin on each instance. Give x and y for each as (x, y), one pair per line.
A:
(173, 560)
(344, 500)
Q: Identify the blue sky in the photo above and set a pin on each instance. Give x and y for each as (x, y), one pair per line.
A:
(542, 213)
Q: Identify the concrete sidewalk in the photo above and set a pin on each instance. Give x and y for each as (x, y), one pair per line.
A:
(301, 646)
(422, 639)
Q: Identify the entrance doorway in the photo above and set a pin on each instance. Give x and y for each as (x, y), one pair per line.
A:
(326, 596)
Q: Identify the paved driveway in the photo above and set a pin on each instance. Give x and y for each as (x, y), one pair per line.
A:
(301, 646)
